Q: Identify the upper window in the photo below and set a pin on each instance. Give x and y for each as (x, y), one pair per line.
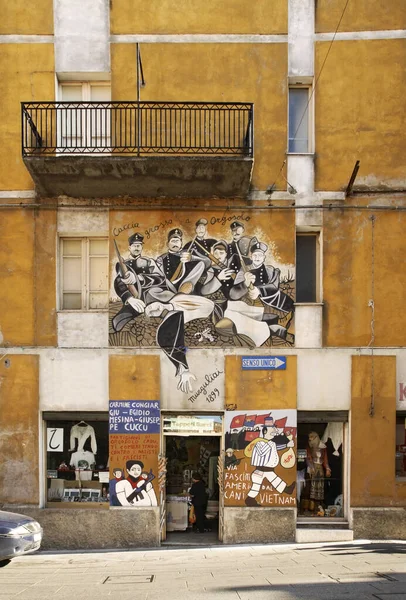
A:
(307, 267)
(299, 120)
(83, 273)
(79, 126)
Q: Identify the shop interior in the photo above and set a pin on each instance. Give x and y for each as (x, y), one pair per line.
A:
(320, 470)
(77, 461)
(185, 455)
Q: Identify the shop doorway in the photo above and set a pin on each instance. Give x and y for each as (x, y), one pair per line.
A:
(321, 468)
(191, 444)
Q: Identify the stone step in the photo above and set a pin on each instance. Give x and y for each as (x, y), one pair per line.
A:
(333, 534)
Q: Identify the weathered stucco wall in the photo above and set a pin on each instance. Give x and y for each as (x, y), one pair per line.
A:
(19, 443)
(76, 529)
(350, 266)
(247, 390)
(26, 74)
(359, 114)
(363, 15)
(198, 16)
(26, 18)
(134, 377)
(27, 283)
(373, 480)
(173, 76)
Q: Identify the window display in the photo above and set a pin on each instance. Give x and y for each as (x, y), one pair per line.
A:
(320, 470)
(400, 445)
(77, 460)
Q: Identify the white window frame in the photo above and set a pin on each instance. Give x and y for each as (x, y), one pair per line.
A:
(85, 272)
(304, 83)
(86, 97)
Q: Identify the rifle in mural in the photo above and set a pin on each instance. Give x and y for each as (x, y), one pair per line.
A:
(181, 265)
(124, 270)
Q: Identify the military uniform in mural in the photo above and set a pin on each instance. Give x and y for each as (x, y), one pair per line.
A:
(239, 248)
(255, 296)
(141, 275)
(201, 245)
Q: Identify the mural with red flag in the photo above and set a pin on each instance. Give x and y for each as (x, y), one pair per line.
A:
(260, 458)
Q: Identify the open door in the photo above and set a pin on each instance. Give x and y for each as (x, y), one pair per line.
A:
(162, 460)
(220, 471)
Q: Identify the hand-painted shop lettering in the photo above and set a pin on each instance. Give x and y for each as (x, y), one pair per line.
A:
(157, 227)
(223, 220)
(210, 396)
(126, 227)
(402, 392)
(276, 499)
(50, 441)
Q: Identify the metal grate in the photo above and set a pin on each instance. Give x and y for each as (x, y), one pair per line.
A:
(195, 128)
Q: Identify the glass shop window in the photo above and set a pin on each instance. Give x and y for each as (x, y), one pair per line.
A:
(320, 470)
(401, 445)
(77, 457)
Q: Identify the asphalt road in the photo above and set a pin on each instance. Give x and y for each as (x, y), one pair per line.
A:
(358, 570)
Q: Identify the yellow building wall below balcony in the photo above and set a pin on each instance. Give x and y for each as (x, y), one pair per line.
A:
(260, 390)
(28, 279)
(26, 18)
(360, 114)
(26, 75)
(19, 405)
(216, 73)
(198, 16)
(362, 15)
(134, 377)
(373, 440)
(355, 271)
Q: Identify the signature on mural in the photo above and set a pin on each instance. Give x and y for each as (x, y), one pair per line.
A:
(202, 292)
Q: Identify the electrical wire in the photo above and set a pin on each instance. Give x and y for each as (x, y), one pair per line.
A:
(314, 87)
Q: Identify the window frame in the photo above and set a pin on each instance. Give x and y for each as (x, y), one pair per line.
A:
(400, 414)
(306, 84)
(85, 272)
(316, 233)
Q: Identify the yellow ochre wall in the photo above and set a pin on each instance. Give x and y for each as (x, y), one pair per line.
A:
(216, 73)
(134, 377)
(362, 15)
(26, 75)
(19, 405)
(360, 113)
(258, 390)
(373, 480)
(348, 263)
(27, 281)
(198, 16)
(26, 18)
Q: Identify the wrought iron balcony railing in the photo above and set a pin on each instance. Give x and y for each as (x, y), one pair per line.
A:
(191, 128)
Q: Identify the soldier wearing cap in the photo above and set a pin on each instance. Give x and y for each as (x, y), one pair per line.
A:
(142, 273)
(240, 243)
(201, 243)
(221, 275)
(259, 285)
(182, 270)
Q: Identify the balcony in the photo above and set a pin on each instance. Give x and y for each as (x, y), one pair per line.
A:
(138, 149)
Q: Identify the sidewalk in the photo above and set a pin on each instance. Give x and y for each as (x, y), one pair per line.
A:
(359, 570)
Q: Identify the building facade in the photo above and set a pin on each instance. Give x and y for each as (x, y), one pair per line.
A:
(202, 216)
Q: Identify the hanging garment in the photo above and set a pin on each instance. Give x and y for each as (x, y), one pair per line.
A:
(82, 433)
(334, 431)
(84, 464)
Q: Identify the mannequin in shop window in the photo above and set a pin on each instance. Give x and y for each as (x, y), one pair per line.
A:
(318, 469)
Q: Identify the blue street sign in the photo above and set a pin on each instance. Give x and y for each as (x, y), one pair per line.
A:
(263, 362)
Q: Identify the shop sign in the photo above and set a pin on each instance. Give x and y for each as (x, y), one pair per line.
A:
(134, 416)
(192, 424)
(55, 439)
(263, 363)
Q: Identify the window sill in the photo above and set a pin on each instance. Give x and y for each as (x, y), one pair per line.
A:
(300, 154)
(81, 311)
(309, 303)
(400, 480)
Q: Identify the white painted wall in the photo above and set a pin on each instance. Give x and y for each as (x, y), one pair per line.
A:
(308, 325)
(83, 329)
(83, 222)
(74, 380)
(82, 30)
(324, 380)
(300, 37)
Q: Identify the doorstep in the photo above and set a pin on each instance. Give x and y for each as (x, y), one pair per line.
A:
(316, 531)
